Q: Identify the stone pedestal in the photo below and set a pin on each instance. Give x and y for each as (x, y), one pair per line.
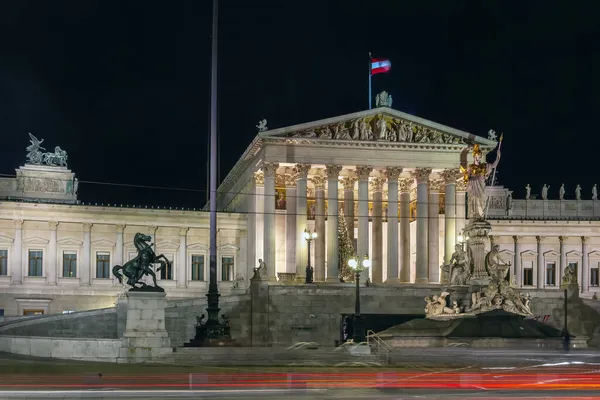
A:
(145, 337)
(478, 231)
(56, 184)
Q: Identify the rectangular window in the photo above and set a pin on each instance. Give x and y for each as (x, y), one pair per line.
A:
(551, 274)
(69, 264)
(102, 265)
(528, 273)
(167, 273)
(4, 262)
(36, 258)
(227, 268)
(574, 266)
(197, 267)
(594, 277)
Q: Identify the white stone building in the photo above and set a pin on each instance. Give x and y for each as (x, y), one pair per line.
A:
(56, 255)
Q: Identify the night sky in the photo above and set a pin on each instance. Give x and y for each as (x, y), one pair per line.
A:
(123, 86)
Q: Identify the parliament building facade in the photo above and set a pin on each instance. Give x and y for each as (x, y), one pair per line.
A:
(393, 177)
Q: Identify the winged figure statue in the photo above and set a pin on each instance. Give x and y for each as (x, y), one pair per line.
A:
(34, 153)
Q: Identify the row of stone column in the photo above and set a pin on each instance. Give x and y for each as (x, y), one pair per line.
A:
(398, 232)
(541, 266)
(85, 263)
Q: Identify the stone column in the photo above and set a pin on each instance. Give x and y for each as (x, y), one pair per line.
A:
(290, 223)
(333, 252)
(52, 271)
(348, 182)
(585, 265)
(182, 269)
(377, 227)
(563, 259)
(450, 235)
(421, 175)
(17, 253)
(119, 245)
(541, 268)
(393, 275)
(259, 217)
(301, 172)
(270, 243)
(319, 267)
(517, 268)
(405, 185)
(433, 241)
(363, 214)
(461, 208)
(86, 264)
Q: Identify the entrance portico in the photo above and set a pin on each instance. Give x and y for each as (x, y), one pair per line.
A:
(393, 176)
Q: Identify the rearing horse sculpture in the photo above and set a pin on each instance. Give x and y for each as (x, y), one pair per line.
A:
(139, 266)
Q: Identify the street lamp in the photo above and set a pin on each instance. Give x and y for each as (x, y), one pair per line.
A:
(309, 237)
(358, 336)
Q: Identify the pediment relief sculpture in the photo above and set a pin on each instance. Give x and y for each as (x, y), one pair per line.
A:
(379, 128)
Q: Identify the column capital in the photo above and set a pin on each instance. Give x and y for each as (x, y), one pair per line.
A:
(18, 223)
(421, 175)
(516, 238)
(87, 226)
(280, 180)
(450, 176)
(585, 239)
(301, 171)
(561, 239)
(540, 239)
(269, 169)
(363, 171)
(435, 185)
(183, 231)
(349, 181)
(377, 184)
(120, 228)
(53, 225)
(333, 171)
(392, 173)
(405, 185)
(259, 178)
(461, 185)
(290, 180)
(318, 181)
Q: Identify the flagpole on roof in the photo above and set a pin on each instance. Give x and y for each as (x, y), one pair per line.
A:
(370, 64)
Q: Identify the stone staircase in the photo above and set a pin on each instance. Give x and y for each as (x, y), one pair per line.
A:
(301, 354)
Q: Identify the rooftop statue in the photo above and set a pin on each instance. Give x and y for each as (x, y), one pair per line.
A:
(475, 175)
(262, 125)
(135, 269)
(36, 157)
(383, 99)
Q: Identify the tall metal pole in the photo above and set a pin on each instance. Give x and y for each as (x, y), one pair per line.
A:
(213, 290)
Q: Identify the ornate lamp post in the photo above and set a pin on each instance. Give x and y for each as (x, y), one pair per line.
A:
(309, 237)
(358, 336)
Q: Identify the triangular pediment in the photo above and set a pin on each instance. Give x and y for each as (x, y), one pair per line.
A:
(6, 239)
(198, 246)
(167, 246)
(594, 254)
(70, 242)
(551, 253)
(103, 243)
(35, 240)
(506, 253)
(380, 124)
(228, 246)
(528, 253)
(574, 253)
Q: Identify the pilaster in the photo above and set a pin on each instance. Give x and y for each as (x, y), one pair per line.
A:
(17, 254)
(52, 270)
(182, 267)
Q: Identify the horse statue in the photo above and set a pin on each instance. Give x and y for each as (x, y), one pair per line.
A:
(139, 266)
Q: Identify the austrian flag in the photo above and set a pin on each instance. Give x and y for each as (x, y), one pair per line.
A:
(379, 66)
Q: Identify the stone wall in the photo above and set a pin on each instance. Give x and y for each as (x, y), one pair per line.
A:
(105, 350)
(87, 324)
(180, 317)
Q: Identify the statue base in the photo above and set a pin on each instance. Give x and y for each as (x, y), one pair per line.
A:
(44, 182)
(145, 337)
(478, 231)
(147, 289)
